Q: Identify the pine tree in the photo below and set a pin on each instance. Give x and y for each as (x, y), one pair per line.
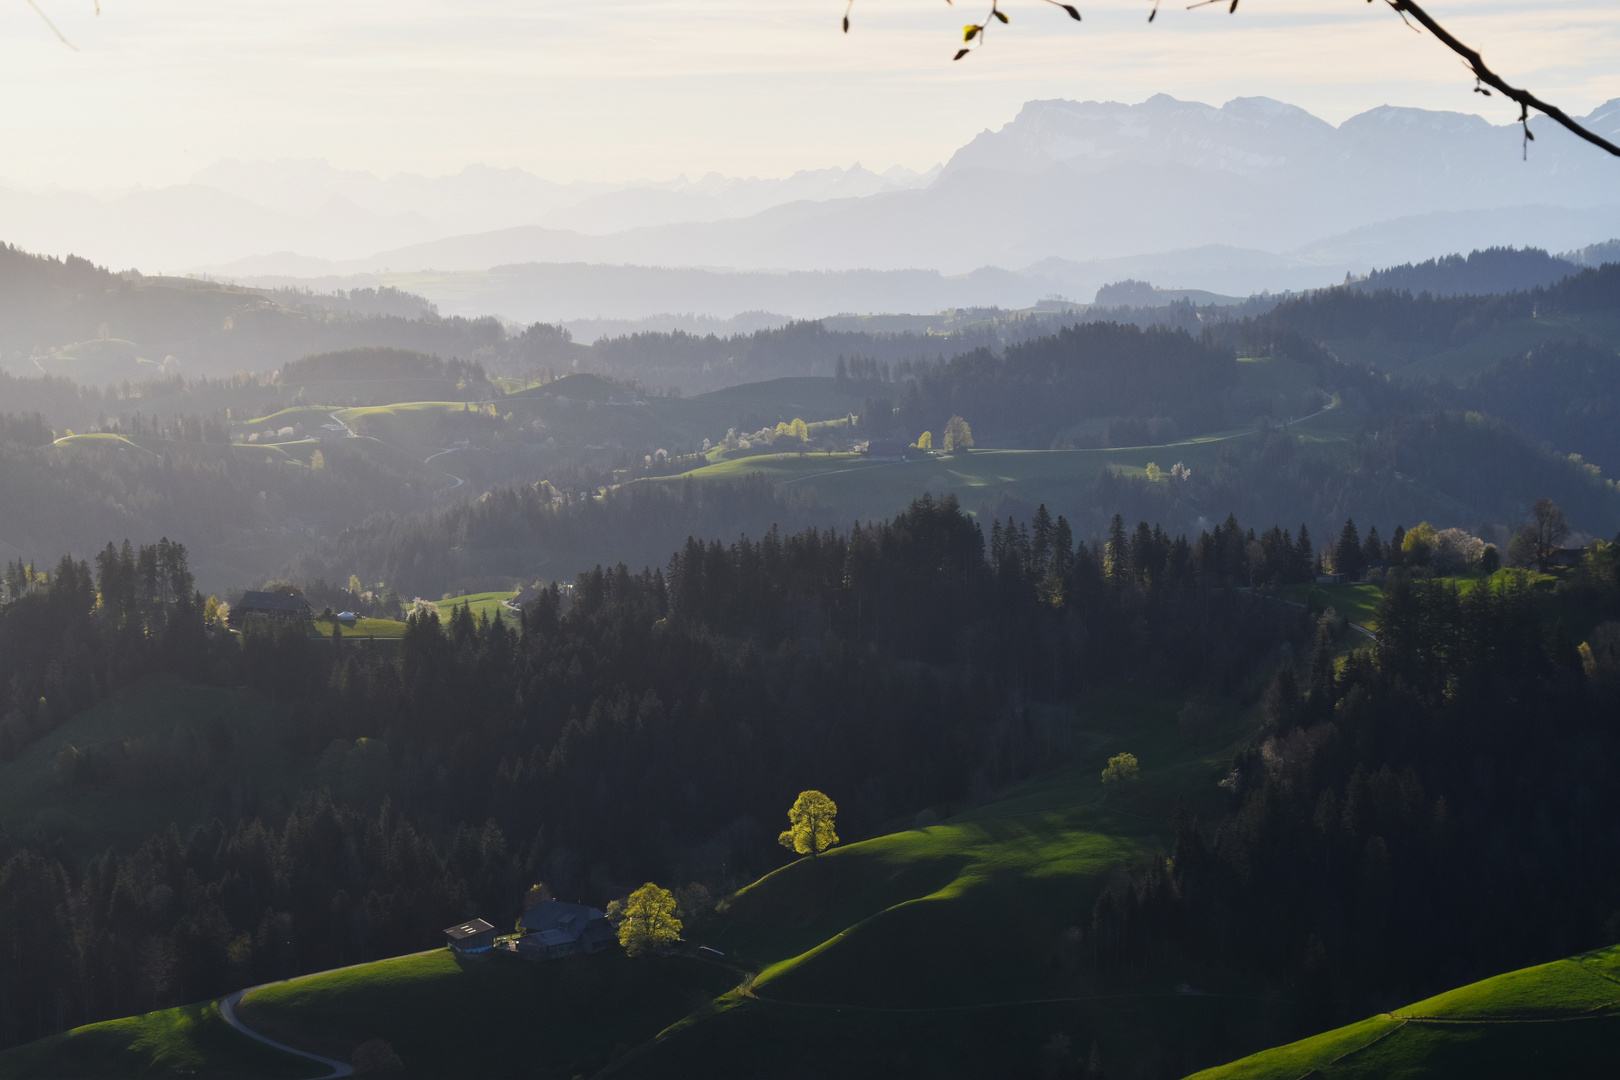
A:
(1347, 558)
(1372, 550)
(1304, 555)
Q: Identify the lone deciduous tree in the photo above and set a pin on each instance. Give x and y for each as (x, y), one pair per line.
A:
(648, 921)
(958, 436)
(1122, 769)
(812, 818)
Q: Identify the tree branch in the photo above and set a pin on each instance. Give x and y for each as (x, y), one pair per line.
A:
(1476, 64)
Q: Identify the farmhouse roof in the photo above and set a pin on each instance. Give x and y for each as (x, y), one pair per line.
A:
(550, 915)
(465, 930)
(270, 601)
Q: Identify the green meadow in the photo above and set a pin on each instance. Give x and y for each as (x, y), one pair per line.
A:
(863, 489)
(483, 605)
(500, 1016)
(1554, 1020)
(957, 946)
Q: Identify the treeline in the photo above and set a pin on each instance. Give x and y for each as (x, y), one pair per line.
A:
(533, 531)
(1418, 816)
(1479, 273)
(653, 724)
(371, 363)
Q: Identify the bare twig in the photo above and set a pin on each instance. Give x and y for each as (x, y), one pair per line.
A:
(54, 30)
(1482, 74)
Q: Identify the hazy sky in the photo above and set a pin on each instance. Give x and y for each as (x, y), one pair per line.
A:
(618, 89)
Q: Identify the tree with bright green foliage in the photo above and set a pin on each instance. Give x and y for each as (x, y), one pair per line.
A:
(1122, 769)
(647, 921)
(1417, 546)
(958, 436)
(812, 819)
(925, 441)
(1154, 473)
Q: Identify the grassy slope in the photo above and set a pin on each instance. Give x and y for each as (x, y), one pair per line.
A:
(862, 489)
(499, 1017)
(482, 604)
(1358, 601)
(1559, 1019)
(163, 709)
(362, 629)
(190, 1041)
(939, 950)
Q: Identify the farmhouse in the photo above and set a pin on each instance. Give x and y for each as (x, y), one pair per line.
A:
(553, 928)
(269, 606)
(470, 938)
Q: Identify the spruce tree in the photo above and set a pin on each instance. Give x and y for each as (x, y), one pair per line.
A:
(1372, 549)
(1347, 558)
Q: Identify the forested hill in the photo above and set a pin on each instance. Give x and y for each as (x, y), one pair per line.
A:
(1480, 273)
(1407, 326)
(645, 729)
(48, 306)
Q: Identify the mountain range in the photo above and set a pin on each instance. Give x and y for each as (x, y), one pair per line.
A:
(1253, 195)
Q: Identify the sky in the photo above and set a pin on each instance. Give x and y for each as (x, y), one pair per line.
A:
(618, 90)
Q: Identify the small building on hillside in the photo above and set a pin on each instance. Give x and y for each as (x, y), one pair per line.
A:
(271, 607)
(1566, 556)
(552, 928)
(470, 938)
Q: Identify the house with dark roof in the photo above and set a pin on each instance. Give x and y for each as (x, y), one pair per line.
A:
(272, 607)
(470, 938)
(552, 928)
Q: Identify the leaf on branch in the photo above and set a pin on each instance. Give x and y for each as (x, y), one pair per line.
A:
(961, 53)
(1001, 15)
(1233, 8)
(970, 32)
(846, 24)
(1072, 10)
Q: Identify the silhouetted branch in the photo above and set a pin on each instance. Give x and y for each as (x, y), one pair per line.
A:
(1483, 74)
(1408, 10)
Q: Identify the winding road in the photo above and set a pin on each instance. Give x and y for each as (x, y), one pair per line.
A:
(227, 1009)
(458, 480)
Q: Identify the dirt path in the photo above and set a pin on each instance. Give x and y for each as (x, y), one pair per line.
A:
(227, 1009)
